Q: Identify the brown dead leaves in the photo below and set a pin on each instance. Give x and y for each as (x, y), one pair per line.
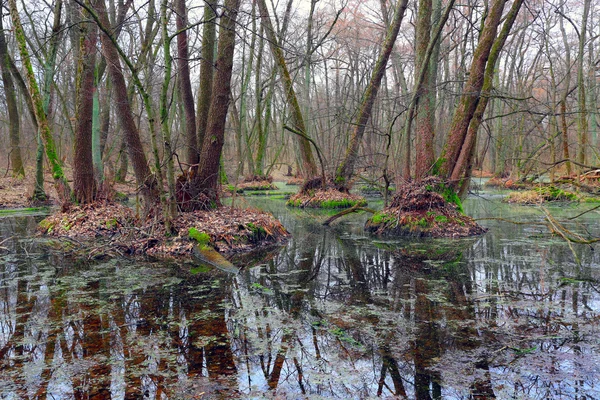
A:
(113, 227)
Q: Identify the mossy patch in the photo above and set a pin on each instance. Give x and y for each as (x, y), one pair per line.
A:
(328, 199)
(541, 195)
(202, 238)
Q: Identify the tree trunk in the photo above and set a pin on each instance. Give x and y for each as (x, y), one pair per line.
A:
(346, 168)
(60, 181)
(185, 85)
(471, 92)
(563, 100)
(11, 105)
(84, 185)
(145, 180)
(582, 125)
(461, 169)
(208, 171)
(309, 166)
(423, 120)
(206, 70)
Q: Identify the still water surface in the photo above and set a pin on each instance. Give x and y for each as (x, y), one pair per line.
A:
(333, 314)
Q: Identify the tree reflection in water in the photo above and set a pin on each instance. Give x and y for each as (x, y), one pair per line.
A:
(332, 314)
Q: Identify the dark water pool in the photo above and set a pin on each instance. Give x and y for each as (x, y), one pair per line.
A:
(333, 314)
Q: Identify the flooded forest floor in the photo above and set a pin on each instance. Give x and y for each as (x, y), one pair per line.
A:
(332, 313)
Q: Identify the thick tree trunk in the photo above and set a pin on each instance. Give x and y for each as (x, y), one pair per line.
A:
(471, 92)
(208, 171)
(185, 85)
(145, 180)
(84, 185)
(11, 105)
(346, 168)
(206, 70)
(309, 166)
(423, 120)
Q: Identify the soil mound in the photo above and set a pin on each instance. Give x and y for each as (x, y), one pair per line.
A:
(104, 228)
(425, 208)
(313, 194)
(257, 182)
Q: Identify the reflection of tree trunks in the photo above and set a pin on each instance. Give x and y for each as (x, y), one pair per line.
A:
(482, 389)
(390, 364)
(279, 360)
(426, 345)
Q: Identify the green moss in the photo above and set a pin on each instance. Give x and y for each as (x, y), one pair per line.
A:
(379, 218)
(345, 203)
(258, 232)
(202, 238)
(441, 218)
(422, 223)
(200, 269)
(552, 193)
(20, 210)
(589, 199)
(451, 197)
(46, 225)
(111, 223)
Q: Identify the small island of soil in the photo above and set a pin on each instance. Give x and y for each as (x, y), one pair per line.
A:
(107, 228)
(313, 194)
(419, 209)
(257, 182)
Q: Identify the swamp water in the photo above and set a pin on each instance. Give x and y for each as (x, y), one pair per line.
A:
(333, 314)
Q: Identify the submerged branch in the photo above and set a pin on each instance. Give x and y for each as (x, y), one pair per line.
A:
(347, 211)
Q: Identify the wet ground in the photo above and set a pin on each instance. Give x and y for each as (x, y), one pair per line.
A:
(333, 314)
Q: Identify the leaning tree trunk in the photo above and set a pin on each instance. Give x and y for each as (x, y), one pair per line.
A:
(208, 169)
(145, 180)
(11, 104)
(60, 181)
(462, 169)
(309, 166)
(346, 168)
(471, 93)
(84, 185)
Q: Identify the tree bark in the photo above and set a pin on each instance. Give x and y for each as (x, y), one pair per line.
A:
(471, 92)
(84, 185)
(208, 171)
(206, 71)
(60, 181)
(145, 180)
(309, 166)
(582, 125)
(185, 85)
(423, 120)
(11, 104)
(462, 168)
(346, 168)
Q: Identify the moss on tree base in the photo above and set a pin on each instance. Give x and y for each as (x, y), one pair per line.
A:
(418, 209)
(107, 228)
